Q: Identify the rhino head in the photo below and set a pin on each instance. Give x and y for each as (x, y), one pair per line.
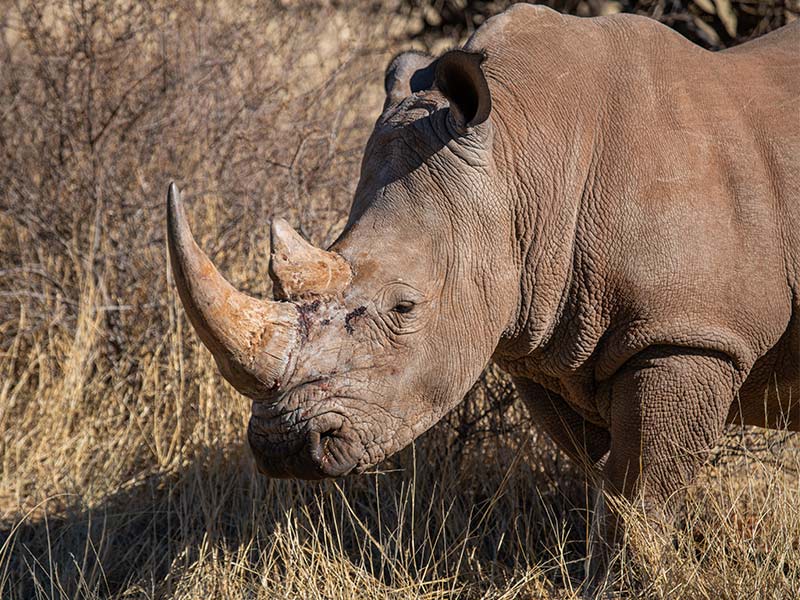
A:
(368, 344)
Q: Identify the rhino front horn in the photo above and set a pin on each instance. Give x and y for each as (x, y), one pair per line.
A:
(300, 270)
(251, 339)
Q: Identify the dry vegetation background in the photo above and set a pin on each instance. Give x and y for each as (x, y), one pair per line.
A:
(123, 467)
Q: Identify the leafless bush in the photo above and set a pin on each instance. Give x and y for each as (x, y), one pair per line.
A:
(710, 23)
(104, 103)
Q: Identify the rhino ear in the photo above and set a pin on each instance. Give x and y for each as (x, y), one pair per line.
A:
(460, 79)
(407, 73)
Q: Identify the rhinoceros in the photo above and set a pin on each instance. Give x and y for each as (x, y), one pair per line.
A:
(607, 211)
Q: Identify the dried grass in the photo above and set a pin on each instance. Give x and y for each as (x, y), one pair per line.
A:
(124, 472)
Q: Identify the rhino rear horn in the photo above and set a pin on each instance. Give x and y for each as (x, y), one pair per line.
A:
(300, 270)
(251, 339)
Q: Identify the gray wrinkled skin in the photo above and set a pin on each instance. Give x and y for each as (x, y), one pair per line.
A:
(379, 362)
(609, 212)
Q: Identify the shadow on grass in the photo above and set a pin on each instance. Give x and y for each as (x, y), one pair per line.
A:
(475, 517)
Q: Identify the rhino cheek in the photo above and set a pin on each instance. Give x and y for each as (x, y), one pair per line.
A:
(383, 439)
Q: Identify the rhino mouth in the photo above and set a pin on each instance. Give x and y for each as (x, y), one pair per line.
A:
(320, 446)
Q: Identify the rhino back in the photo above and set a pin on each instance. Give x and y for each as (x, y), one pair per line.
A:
(671, 173)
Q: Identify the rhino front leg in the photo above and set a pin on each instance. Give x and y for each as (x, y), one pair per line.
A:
(668, 408)
(583, 441)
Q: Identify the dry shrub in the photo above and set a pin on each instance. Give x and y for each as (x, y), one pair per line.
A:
(124, 472)
(740, 535)
(712, 24)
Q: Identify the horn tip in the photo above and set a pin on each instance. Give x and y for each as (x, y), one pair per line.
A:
(280, 225)
(173, 196)
(177, 226)
(281, 233)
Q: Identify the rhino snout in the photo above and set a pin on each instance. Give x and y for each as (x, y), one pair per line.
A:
(321, 447)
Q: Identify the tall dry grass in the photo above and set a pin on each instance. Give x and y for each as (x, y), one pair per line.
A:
(124, 469)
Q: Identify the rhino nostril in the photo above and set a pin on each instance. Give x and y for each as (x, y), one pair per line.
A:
(327, 436)
(319, 444)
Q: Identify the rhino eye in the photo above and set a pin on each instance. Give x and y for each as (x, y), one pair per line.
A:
(403, 307)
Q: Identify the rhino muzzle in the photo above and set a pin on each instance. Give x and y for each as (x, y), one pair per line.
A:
(253, 341)
(323, 447)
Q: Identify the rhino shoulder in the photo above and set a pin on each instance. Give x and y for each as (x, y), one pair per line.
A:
(496, 29)
(536, 26)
